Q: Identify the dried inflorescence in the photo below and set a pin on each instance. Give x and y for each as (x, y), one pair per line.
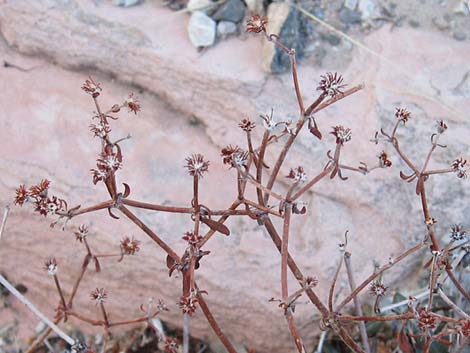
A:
(196, 165)
(458, 166)
(342, 134)
(99, 295)
(255, 170)
(38, 195)
(402, 114)
(256, 24)
(331, 84)
(129, 246)
(51, 266)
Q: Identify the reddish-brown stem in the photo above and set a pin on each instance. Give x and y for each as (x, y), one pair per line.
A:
(85, 319)
(378, 273)
(427, 216)
(77, 283)
(150, 233)
(61, 294)
(294, 268)
(295, 78)
(105, 315)
(221, 220)
(156, 207)
(315, 104)
(262, 208)
(336, 98)
(293, 330)
(404, 316)
(457, 284)
(333, 284)
(285, 252)
(357, 302)
(259, 169)
(215, 326)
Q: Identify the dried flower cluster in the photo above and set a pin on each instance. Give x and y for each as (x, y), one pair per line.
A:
(258, 198)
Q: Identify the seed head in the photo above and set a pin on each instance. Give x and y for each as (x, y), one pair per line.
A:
(132, 103)
(170, 345)
(196, 165)
(426, 321)
(240, 159)
(192, 239)
(21, 195)
(441, 126)
(99, 295)
(228, 152)
(378, 289)
(402, 114)
(188, 304)
(256, 24)
(91, 87)
(459, 168)
(297, 174)
(331, 84)
(384, 161)
(51, 266)
(247, 125)
(457, 233)
(130, 246)
(39, 190)
(82, 233)
(101, 129)
(342, 134)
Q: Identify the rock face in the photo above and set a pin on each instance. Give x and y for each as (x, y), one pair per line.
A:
(46, 123)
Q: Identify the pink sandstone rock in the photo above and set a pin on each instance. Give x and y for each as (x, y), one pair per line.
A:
(44, 126)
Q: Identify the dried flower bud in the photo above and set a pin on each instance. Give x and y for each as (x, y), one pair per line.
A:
(82, 233)
(256, 24)
(384, 161)
(465, 328)
(91, 87)
(99, 295)
(101, 129)
(430, 221)
(441, 126)
(297, 174)
(192, 239)
(188, 305)
(129, 246)
(402, 114)
(228, 152)
(51, 266)
(170, 345)
(331, 84)
(247, 125)
(377, 288)
(342, 134)
(457, 233)
(40, 190)
(116, 108)
(240, 159)
(458, 167)
(426, 320)
(99, 175)
(109, 161)
(132, 103)
(311, 282)
(196, 165)
(21, 195)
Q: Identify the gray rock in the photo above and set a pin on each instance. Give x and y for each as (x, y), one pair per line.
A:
(127, 3)
(368, 8)
(350, 4)
(286, 22)
(226, 28)
(201, 29)
(459, 36)
(255, 6)
(231, 10)
(199, 5)
(348, 16)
